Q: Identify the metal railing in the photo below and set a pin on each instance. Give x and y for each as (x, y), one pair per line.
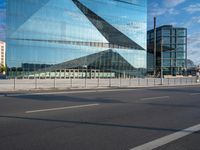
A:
(36, 83)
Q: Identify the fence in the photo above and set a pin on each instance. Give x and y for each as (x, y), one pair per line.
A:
(29, 84)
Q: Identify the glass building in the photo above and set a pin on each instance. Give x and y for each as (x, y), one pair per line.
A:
(50, 37)
(171, 51)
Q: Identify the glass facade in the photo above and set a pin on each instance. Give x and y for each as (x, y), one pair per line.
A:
(42, 34)
(171, 55)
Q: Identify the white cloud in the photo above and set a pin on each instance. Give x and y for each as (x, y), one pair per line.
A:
(191, 22)
(173, 11)
(193, 8)
(168, 7)
(196, 19)
(161, 11)
(173, 3)
(157, 11)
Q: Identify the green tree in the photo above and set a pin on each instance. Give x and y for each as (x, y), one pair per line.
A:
(2, 68)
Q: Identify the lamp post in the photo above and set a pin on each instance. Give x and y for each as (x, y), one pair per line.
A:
(155, 44)
(161, 61)
(198, 74)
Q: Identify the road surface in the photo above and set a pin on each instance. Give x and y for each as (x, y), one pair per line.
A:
(162, 118)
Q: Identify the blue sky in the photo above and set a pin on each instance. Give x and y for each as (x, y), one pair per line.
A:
(180, 13)
(2, 19)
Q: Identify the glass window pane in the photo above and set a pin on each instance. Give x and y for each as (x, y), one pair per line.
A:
(166, 40)
(180, 32)
(165, 32)
(166, 62)
(180, 40)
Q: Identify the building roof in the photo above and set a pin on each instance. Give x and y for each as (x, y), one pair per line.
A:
(166, 26)
(1, 42)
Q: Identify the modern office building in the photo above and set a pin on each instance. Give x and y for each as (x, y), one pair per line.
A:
(171, 51)
(104, 36)
(2, 53)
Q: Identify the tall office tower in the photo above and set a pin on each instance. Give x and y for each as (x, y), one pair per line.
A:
(171, 54)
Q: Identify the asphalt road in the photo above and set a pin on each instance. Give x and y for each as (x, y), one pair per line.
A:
(118, 119)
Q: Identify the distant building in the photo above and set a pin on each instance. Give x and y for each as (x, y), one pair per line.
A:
(171, 50)
(191, 68)
(2, 53)
(190, 64)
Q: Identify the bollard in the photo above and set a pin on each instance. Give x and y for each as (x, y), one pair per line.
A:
(161, 80)
(98, 82)
(35, 83)
(130, 82)
(54, 82)
(85, 82)
(71, 83)
(14, 83)
(138, 81)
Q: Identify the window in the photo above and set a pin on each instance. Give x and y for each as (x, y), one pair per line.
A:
(181, 48)
(166, 32)
(166, 62)
(158, 33)
(173, 32)
(181, 40)
(180, 63)
(166, 40)
(173, 55)
(166, 55)
(180, 55)
(180, 32)
(173, 40)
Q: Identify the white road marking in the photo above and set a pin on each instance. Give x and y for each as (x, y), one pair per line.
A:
(151, 98)
(60, 108)
(193, 94)
(167, 139)
(71, 92)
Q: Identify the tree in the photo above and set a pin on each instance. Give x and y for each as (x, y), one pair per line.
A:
(2, 68)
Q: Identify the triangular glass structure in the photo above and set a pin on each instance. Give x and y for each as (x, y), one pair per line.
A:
(63, 23)
(112, 34)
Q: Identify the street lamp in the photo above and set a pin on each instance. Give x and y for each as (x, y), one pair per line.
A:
(198, 74)
(155, 50)
(161, 62)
